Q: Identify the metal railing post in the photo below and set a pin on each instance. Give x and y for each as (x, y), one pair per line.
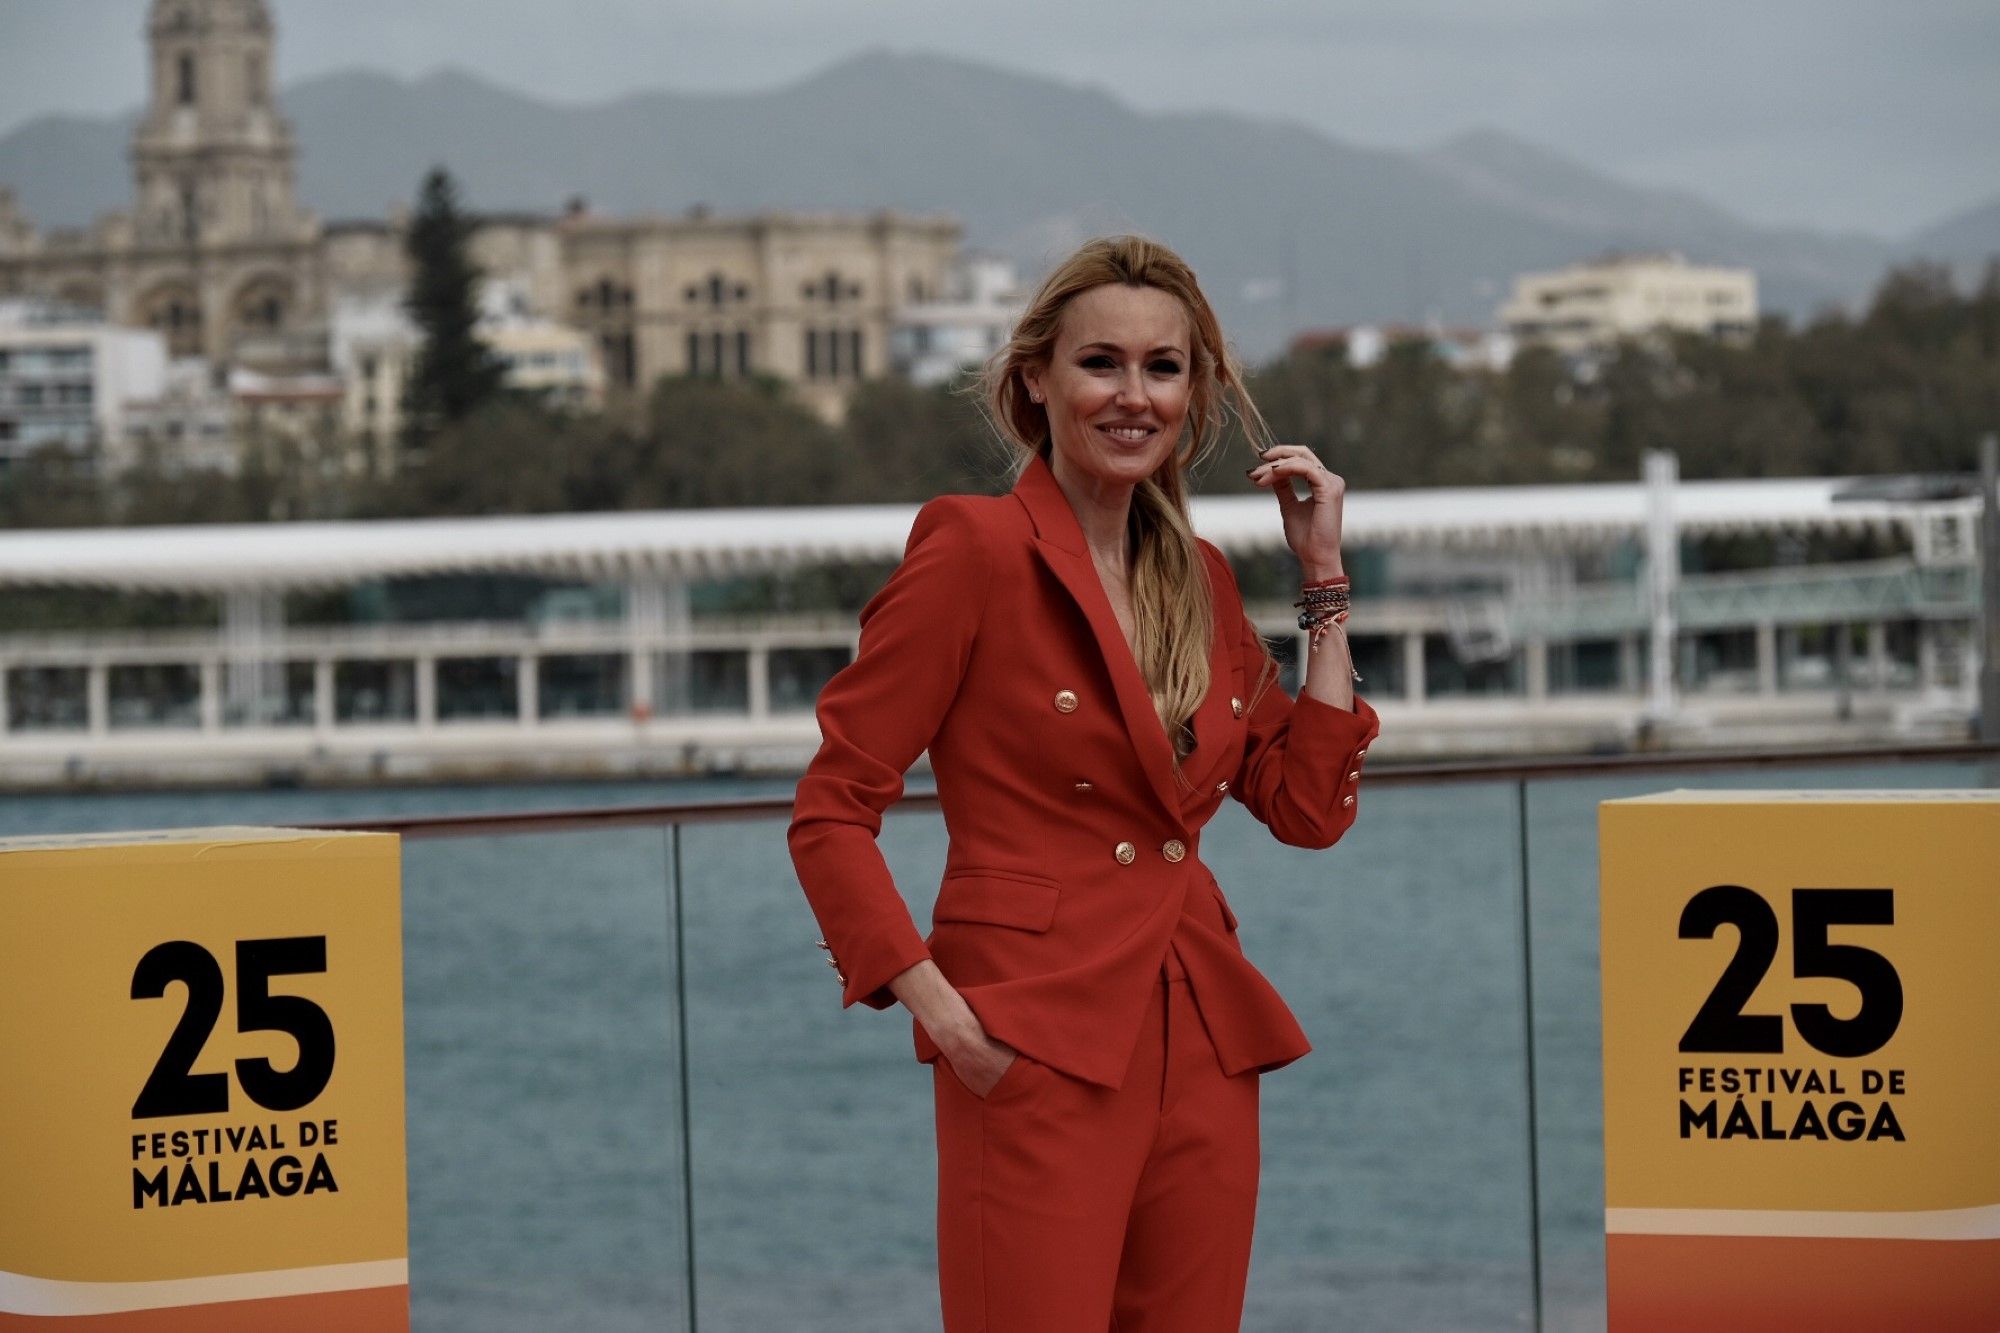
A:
(1989, 597)
(1528, 1050)
(681, 1042)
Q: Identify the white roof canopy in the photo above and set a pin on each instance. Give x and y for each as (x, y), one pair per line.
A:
(706, 543)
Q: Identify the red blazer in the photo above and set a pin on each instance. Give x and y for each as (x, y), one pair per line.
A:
(1074, 860)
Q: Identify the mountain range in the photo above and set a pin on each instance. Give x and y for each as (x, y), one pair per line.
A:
(1288, 226)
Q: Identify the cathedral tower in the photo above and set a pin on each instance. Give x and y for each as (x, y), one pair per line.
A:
(213, 158)
(215, 216)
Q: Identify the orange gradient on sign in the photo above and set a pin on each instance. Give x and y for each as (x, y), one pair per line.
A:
(380, 1308)
(1722, 1284)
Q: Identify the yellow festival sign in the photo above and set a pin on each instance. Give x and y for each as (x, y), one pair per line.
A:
(1802, 1060)
(201, 1114)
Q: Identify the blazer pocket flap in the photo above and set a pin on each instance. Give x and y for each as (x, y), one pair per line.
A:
(997, 899)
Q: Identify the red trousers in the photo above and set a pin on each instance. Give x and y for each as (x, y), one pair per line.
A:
(1066, 1207)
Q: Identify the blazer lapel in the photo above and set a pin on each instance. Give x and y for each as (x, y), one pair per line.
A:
(1059, 542)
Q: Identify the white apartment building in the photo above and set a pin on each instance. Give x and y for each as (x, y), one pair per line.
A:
(1587, 307)
(65, 381)
(933, 338)
(188, 426)
(373, 347)
(552, 361)
(1365, 345)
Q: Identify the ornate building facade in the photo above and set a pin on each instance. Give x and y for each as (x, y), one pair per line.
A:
(217, 254)
(216, 248)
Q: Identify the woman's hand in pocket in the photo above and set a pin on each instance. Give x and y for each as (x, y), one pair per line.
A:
(977, 1059)
(981, 1062)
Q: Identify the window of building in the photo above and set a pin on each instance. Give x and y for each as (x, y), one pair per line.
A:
(812, 354)
(743, 353)
(184, 79)
(619, 363)
(605, 295)
(190, 213)
(854, 345)
(715, 342)
(715, 289)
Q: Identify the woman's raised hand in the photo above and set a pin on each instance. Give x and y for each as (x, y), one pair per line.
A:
(1312, 525)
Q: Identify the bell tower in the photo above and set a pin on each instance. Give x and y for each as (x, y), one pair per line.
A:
(213, 158)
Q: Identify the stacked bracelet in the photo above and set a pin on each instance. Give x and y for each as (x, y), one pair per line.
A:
(1324, 603)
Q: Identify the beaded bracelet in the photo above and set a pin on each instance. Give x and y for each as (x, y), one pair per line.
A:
(1325, 603)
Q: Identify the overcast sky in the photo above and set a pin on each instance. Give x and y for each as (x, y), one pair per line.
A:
(1876, 115)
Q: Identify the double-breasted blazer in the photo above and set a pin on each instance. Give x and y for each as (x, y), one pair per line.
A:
(1074, 860)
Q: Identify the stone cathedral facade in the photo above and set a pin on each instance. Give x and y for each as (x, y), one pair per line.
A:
(217, 254)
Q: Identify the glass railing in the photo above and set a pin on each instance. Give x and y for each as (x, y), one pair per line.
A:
(635, 1103)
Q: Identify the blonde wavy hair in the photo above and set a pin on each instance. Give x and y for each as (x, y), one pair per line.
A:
(1173, 612)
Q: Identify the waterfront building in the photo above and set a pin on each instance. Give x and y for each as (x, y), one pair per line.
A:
(69, 380)
(808, 298)
(373, 346)
(296, 416)
(938, 335)
(218, 256)
(1365, 345)
(1489, 620)
(1588, 307)
(189, 427)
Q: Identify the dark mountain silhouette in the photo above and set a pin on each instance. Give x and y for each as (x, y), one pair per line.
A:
(1288, 226)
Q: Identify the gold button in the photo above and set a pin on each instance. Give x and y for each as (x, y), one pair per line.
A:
(1358, 753)
(1173, 849)
(1125, 852)
(824, 945)
(1083, 786)
(832, 964)
(1222, 785)
(1236, 707)
(1065, 701)
(1355, 776)
(1348, 799)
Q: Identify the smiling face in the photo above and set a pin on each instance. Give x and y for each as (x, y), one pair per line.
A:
(1116, 387)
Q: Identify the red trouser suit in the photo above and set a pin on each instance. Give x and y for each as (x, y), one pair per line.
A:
(1111, 1174)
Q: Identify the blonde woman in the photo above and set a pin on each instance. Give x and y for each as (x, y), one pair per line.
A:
(1080, 668)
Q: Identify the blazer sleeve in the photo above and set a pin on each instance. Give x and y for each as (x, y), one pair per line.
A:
(1299, 753)
(876, 716)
